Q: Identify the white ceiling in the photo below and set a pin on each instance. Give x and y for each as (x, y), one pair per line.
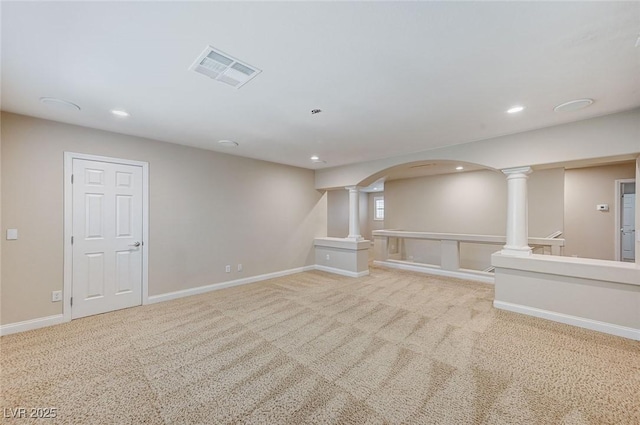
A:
(391, 78)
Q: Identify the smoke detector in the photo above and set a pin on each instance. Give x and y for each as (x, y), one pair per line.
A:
(573, 105)
(224, 68)
(59, 102)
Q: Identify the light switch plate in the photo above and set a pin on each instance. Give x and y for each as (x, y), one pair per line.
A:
(12, 234)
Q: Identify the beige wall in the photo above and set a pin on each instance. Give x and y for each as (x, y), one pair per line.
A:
(337, 213)
(207, 210)
(473, 202)
(590, 233)
(600, 137)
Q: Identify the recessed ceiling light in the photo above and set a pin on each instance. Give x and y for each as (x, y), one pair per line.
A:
(515, 109)
(314, 158)
(459, 167)
(120, 112)
(228, 143)
(573, 105)
(59, 102)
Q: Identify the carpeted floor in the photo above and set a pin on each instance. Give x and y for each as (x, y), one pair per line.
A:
(394, 347)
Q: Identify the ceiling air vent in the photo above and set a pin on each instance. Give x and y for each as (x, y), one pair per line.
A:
(222, 67)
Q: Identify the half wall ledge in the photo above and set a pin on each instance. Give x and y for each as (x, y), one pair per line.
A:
(346, 257)
(594, 294)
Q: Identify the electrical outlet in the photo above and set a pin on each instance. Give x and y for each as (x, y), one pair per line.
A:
(328, 257)
(56, 296)
(227, 268)
(239, 267)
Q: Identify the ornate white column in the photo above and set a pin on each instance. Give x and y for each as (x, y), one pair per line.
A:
(354, 213)
(517, 215)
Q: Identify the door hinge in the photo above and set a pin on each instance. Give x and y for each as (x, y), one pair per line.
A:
(71, 240)
(71, 301)
(71, 178)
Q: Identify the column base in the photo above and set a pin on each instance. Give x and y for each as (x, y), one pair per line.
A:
(356, 238)
(516, 251)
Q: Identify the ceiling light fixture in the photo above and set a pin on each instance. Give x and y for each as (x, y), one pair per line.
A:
(120, 113)
(228, 143)
(314, 158)
(59, 102)
(459, 168)
(515, 109)
(573, 105)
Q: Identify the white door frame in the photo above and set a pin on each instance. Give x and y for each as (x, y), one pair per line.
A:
(617, 211)
(68, 225)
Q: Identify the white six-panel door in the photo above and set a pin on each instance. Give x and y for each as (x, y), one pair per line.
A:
(107, 237)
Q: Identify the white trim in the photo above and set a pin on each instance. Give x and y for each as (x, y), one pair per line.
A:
(616, 272)
(478, 276)
(221, 285)
(42, 322)
(68, 225)
(341, 272)
(342, 244)
(567, 319)
(31, 324)
(617, 211)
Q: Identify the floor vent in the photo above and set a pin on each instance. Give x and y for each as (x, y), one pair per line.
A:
(224, 68)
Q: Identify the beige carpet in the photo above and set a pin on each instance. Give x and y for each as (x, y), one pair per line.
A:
(394, 347)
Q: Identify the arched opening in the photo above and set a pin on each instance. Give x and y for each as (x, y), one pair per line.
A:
(464, 201)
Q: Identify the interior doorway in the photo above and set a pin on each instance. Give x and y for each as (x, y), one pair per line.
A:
(625, 220)
(106, 224)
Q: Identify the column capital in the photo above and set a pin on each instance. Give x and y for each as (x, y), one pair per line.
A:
(353, 188)
(517, 170)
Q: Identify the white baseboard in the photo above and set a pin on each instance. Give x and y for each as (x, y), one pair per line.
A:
(341, 272)
(215, 286)
(42, 322)
(436, 271)
(594, 325)
(28, 325)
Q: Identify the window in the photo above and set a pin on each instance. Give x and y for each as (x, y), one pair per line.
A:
(378, 208)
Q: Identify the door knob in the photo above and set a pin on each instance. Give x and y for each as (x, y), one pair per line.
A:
(136, 244)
